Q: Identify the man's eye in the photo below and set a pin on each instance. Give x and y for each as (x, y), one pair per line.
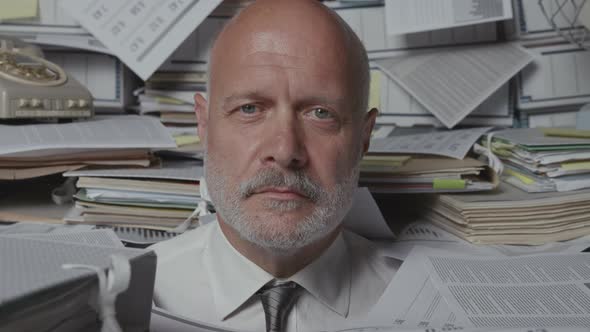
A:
(248, 109)
(322, 113)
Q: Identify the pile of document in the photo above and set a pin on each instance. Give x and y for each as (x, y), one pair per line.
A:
(159, 197)
(431, 162)
(511, 216)
(34, 150)
(169, 92)
(51, 280)
(448, 284)
(544, 159)
(398, 174)
(176, 110)
(170, 96)
(465, 289)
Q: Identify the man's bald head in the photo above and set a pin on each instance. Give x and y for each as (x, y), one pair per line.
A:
(296, 28)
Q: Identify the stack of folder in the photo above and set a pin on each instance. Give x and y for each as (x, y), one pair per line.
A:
(544, 159)
(169, 95)
(33, 150)
(509, 215)
(429, 162)
(384, 173)
(37, 292)
(158, 198)
(25, 167)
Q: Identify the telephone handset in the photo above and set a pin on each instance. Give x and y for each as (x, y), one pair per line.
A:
(32, 87)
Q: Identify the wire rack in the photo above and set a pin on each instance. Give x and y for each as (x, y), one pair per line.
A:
(563, 17)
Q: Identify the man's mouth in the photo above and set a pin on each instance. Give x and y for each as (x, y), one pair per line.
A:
(284, 193)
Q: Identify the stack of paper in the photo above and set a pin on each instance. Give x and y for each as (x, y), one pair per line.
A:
(169, 92)
(432, 162)
(177, 116)
(427, 174)
(170, 96)
(28, 151)
(511, 216)
(36, 291)
(155, 198)
(441, 290)
(543, 159)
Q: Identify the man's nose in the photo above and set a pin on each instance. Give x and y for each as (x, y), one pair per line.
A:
(285, 145)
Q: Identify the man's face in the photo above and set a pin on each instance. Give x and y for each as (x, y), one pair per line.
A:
(284, 136)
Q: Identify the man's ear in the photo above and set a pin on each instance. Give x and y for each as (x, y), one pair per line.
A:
(201, 111)
(369, 123)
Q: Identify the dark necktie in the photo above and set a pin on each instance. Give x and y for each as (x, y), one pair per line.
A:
(277, 300)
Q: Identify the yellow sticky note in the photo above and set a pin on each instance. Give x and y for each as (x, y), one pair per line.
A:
(169, 100)
(576, 165)
(375, 89)
(523, 178)
(448, 184)
(186, 140)
(10, 9)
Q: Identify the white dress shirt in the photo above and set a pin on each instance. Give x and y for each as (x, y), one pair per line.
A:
(201, 276)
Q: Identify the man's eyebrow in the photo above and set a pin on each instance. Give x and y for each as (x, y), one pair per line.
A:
(251, 95)
(323, 100)
(256, 95)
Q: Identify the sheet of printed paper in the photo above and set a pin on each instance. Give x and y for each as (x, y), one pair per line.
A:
(412, 301)
(549, 290)
(407, 16)
(142, 33)
(452, 143)
(113, 132)
(424, 233)
(451, 82)
(417, 298)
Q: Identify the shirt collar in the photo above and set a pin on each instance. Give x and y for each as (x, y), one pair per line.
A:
(234, 278)
(328, 278)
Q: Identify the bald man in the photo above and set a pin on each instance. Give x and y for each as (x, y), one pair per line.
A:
(285, 128)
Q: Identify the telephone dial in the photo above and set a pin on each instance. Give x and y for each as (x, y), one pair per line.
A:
(33, 88)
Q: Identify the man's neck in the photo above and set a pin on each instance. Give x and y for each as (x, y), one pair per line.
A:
(280, 265)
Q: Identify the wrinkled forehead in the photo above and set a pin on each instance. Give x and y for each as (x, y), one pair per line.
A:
(285, 49)
(291, 43)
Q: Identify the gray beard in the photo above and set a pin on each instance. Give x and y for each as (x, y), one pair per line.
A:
(330, 207)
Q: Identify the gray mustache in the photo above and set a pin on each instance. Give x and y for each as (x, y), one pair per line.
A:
(271, 177)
